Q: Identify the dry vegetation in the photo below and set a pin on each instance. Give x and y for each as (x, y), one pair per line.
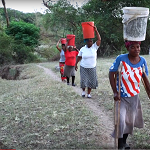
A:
(38, 112)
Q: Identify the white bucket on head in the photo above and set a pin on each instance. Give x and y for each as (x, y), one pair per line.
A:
(135, 23)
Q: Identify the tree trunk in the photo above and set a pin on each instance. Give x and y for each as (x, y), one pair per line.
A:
(46, 4)
(6, 14)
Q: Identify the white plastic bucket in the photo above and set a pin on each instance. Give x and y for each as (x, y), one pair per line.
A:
(135, 23)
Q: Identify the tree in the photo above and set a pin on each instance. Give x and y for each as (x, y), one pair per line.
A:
(65, 18)
(25, 37)
(48, 4)
(5, 48)
(27, 33)
(107, 16)
(7, 19)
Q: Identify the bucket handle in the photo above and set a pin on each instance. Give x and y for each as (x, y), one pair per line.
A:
(70, 39)
(90, 25)
(134, 17)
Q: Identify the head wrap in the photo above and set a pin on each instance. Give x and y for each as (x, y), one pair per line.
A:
(129, 43)
(85, 40)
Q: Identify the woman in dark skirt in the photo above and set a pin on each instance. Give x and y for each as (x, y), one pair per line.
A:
(88, 56)
(69, 70)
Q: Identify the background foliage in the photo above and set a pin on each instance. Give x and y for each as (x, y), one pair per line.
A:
(107, 16)
(63, 18)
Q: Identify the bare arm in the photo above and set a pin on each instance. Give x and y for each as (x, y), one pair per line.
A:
(112, 79)
(57, 46)
(146, 84)
(75, 48)
(66, 45)
(78, 59)
(98, 42)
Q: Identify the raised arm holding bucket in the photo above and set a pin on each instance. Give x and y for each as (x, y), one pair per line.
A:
(88, 55)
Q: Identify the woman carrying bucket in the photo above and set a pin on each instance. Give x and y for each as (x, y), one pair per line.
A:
(130, 107)
(70, 54)
(62, 57)
(88, 55)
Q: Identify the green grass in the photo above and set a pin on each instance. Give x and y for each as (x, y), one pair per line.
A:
(40, 113)
(104, 96)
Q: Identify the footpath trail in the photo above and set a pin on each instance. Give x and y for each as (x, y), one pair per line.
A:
(97, 110)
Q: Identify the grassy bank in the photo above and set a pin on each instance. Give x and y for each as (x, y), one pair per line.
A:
(38, 112)
(104, 96)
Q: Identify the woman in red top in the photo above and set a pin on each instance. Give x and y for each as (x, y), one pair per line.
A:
(69, 69)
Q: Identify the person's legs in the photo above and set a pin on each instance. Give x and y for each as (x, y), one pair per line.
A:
(73, 79)
(120, 143)
(67, 80)
(88, 92)
(61, 65)
(126, 146)
(83, 92)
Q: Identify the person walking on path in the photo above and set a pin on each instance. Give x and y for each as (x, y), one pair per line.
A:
(71, 53)
(130, 107)
(88, 55)
(62, 60)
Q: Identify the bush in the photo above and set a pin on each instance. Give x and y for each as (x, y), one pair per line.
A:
(23, 54)
(5, 48)
(27, 33)
(50, 53)
(25, 37)
(32, 58)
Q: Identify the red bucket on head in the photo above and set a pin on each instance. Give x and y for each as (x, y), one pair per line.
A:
(63, 41)
(88, 30)
(71, 39)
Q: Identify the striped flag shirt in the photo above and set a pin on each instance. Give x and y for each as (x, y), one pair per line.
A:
(130, 74)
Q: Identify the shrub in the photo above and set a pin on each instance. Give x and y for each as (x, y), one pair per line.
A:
(5, 48)
(25, 37)
(27, 33)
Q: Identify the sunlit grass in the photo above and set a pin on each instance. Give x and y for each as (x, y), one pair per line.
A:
(104, 95)
(38, 112)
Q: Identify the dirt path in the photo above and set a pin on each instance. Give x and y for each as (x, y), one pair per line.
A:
(98, 111)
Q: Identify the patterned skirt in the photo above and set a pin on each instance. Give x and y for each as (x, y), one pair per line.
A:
(88, 77)
(61, 65)
(130, 115)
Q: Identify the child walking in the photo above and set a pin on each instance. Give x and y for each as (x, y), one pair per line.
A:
(130, 106)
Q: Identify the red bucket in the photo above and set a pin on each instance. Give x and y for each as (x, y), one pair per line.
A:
(63, 41)
(71, 39)
(88, 30)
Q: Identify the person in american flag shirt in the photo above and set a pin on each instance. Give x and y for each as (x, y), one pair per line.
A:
(130, 106)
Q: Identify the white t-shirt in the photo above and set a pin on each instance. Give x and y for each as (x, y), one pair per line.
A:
(89, 56)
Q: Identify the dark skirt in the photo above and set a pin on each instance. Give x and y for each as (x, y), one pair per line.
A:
(88, 77)
(69, 71)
